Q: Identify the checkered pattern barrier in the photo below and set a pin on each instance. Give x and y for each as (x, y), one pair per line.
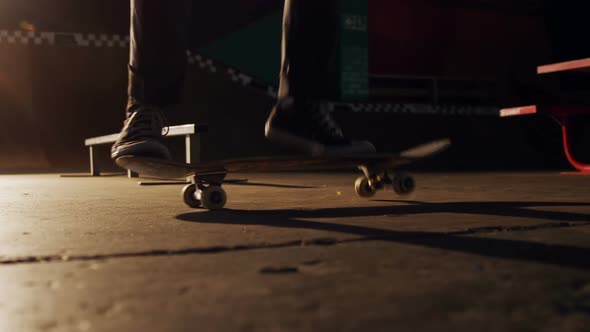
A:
(22, 37)
(25, 37)
(92, 40)
(56, 38)
(234, 75)
(418, 109)
(209, 65)
(201, 62)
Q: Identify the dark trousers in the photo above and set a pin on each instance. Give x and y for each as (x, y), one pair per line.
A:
(160, 35)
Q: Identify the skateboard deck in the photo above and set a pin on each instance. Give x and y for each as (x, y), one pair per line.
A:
(207, 177)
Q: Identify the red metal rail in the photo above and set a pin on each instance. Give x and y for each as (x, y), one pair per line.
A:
(562, 115)
(582, 65)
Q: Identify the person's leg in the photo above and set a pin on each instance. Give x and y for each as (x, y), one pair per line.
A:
(308, 78)
(310, 49)
(157, 63)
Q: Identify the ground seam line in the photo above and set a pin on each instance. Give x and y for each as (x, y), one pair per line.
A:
(288, 244)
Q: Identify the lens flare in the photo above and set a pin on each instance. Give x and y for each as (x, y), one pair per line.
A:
(27, 26)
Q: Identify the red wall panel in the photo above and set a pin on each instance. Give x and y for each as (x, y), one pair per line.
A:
(426, 37)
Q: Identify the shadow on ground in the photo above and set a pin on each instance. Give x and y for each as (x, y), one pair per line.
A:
(560, 255)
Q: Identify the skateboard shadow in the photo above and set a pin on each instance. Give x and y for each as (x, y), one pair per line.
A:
(520, 250)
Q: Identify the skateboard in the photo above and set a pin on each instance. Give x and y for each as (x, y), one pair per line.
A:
(207, 178)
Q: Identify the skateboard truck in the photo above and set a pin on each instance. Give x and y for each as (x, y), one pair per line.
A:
(206, 191)
(375, 179)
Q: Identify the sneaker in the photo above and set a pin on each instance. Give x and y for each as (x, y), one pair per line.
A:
(142, 135)
(310, 128)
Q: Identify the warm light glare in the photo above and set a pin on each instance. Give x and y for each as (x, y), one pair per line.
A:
(27, 26)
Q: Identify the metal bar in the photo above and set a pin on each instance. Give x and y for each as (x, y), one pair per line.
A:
(182, 130)
(191, 140)
(576, 65)
(101, 140)
(517, 111)
(94, 171)
(187, 148)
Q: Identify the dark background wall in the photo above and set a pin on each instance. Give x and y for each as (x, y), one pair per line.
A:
(52, 97)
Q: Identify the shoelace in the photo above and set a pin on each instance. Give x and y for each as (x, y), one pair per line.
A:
(326, 124)
(150, 123)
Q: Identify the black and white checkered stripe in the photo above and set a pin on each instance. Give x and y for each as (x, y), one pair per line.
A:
(417, 109)
(247, 80)
(101, 40)
(22, 37)
(202, 62)
(59, 38)
(26, 37)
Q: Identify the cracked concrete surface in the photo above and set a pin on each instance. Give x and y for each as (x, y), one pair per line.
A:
(297, 252)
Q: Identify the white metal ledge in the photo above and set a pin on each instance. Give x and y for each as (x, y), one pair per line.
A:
(183, 130)
(189, 131)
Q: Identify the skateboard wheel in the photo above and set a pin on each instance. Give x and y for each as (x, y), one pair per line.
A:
(189, 196)
(213, 197)
(403, 184)
(363, 188)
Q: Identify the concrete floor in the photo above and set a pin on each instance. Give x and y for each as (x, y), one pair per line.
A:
(468, 252)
